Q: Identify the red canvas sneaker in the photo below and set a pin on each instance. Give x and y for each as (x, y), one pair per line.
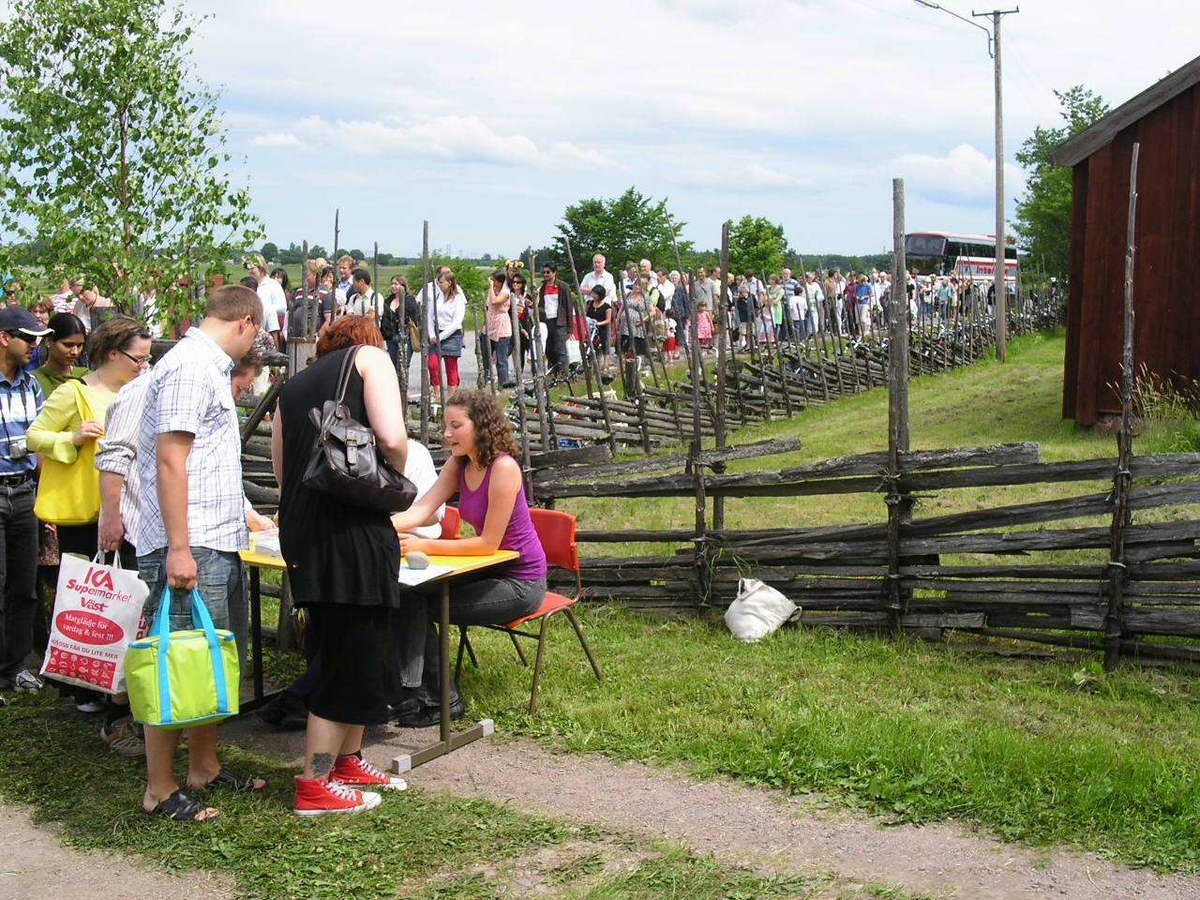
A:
(354, 771)
(320, 797)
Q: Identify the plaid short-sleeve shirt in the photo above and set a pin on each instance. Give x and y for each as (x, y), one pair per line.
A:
(189, 391)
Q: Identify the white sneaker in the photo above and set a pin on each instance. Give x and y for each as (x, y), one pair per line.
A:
(90, 706)
(28, 682)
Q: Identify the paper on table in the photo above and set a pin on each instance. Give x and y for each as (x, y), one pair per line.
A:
(413, 577)
(265, 542)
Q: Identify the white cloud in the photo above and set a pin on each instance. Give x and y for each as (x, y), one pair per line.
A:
(964, 175)
(276, 139)
(750, 177)
(450, 138)
(828, 96)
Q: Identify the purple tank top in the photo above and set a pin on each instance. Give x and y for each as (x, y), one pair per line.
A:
(519, 535)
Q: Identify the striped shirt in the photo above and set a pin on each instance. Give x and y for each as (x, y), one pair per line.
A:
(20, 402)
(117, 450)
(189, 392)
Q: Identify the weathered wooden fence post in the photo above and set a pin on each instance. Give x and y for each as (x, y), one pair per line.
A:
(897, 379)
(591, 364)
(720, 302)
(1118, 574)
(423, 334)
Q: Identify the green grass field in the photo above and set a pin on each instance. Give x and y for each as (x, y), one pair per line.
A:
(1045, 752)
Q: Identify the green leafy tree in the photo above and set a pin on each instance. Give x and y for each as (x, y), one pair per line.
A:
(626, 228)
(110, 152)
(270, 252)
(316, 251)
(1043, 221)
(756, 244)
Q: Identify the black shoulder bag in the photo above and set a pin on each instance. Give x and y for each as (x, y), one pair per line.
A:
(345, 461)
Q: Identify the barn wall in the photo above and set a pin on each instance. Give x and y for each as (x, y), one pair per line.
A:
(1167, 262)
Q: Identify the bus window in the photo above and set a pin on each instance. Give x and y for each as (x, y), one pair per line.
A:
(924, 245)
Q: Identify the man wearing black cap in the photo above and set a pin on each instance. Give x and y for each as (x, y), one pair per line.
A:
(20, 400)
(554, 308)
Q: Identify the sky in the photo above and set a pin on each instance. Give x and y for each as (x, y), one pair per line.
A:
(488, 119)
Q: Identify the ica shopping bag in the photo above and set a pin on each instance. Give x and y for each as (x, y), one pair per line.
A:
(97, 610)
(69, 493)
(181, 679)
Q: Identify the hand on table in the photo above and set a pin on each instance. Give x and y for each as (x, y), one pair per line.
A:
(257, 521)
(410, 543)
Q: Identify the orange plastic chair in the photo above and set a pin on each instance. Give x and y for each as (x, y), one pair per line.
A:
(556, 531)
(451, 524)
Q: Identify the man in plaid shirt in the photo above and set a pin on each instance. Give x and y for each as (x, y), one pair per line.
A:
(192, 527)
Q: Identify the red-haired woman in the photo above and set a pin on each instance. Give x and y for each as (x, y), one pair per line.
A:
(343, 565)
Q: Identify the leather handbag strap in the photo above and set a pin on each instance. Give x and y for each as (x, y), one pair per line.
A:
(344, 376)
(342, 387)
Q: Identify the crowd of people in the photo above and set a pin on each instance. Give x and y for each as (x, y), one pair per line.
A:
(645, 313)
(114, 455)
(117, 455)
(641, 313)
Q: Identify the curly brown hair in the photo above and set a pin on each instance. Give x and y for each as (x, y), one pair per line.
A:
(493, 434)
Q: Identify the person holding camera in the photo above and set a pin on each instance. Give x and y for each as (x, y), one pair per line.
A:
(21, 399)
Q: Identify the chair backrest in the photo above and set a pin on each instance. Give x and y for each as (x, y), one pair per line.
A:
(556, 531)
(451, 524)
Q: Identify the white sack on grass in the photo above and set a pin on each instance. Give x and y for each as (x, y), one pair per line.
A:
(757, 610)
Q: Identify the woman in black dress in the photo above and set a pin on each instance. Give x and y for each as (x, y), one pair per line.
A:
(343, 565)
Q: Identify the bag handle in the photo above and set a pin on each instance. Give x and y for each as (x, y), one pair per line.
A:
(344, 375)
(162, 631)
(343, 385)
(100, 559)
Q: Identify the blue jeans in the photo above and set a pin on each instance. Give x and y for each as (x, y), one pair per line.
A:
(503, 349)
(18, 575)
(221, 580)
(393, 350)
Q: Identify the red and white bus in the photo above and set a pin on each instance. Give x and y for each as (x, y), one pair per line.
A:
(965, 255)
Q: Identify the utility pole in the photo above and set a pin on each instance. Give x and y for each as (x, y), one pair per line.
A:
(998, 280)
(1001, 284)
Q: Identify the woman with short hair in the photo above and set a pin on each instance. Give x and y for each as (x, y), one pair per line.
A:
(343, 567)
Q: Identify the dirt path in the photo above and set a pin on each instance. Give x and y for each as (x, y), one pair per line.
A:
(758, 828)
(34, 863)
(742, 825)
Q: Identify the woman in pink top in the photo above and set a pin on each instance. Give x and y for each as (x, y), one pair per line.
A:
(483, 471)
(499, 323)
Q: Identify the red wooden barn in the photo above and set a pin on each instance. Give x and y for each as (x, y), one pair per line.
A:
(1165, 120)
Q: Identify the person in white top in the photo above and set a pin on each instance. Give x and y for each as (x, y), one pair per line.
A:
(363, 300)
(431, 289)
(600, 276)
(815, 301)
(270, 292)
(444, 328)
(798, 312)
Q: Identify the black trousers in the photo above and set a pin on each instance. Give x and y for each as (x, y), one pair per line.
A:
(18, 575)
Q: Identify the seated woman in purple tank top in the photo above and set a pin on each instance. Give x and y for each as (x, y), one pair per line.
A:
(483, 472)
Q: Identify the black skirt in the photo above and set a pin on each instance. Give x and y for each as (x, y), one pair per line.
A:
(355, 659)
